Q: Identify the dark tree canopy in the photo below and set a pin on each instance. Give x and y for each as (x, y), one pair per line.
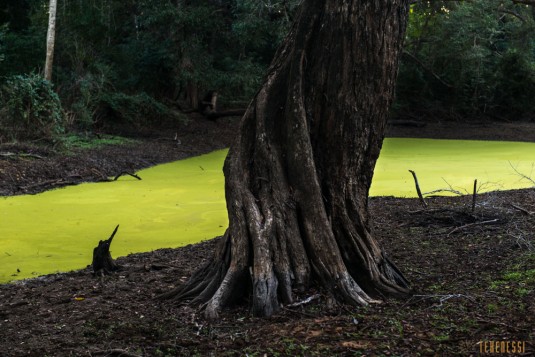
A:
(298, 176)
(140, 62)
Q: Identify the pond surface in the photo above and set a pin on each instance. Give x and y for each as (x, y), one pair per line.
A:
(183, 202)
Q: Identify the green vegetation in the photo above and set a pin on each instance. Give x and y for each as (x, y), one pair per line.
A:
(30, 109)
(85, 141)
(131, 62)
(521, 277)
(136, 62)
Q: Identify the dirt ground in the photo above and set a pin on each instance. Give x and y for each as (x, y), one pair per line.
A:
(473, 272)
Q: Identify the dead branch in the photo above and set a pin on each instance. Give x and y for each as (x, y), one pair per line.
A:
(126, 173)
(442, 190)
(11, 154)
(305, 301)
(418, 191)
(115, 352)
(525, 177)
(474, 196)
(98, 173)
(299, 312)
(450, 189)
(491, 221)
(52, 182)
(523, 210)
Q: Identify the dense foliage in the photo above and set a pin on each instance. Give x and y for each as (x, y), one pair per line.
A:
(30, 110)
(469, 59)
(139, 61)
(123, 60)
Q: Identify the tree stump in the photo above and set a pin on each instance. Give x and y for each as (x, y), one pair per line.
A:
(103, 263)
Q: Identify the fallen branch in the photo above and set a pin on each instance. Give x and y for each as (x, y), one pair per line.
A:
(11, 154)
(98, 173)
(450, 189)
(115, 352)
(126, 173)
(442, 298)
(299, 312)
(418, 191)
(523, 210)
(443, 190)
(305, 301)
(473, 224)
(44, 183)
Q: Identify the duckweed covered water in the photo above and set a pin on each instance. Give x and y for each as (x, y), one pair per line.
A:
(183, 202)
(440, 164)
(174, 204)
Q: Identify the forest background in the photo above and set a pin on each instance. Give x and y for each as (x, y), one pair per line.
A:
(140, 63)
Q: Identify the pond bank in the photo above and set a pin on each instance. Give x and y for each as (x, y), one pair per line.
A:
(45, 168)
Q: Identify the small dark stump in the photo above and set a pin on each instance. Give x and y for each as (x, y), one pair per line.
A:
(103, 263)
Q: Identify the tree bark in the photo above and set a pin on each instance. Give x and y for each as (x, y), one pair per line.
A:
(298, 176)
(50, 39)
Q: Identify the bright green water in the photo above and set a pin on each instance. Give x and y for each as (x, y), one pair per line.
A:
(457, 162)
(183, 202)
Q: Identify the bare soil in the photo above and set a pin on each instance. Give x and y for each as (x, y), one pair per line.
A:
(473, 272)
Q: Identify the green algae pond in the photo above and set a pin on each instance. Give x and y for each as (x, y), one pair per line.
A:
(183, 202)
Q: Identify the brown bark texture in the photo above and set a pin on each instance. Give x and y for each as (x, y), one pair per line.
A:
(298, 176)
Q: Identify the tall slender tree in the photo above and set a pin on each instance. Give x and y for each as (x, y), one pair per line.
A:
(298, 176)
(50, 39)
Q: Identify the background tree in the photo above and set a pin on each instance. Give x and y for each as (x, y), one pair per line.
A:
(50, 39)
(297, 178)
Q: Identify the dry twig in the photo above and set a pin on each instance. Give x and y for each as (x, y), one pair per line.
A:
(523, 210)
(473, 224)
(474, 196)
(418, 191)
(525, 177)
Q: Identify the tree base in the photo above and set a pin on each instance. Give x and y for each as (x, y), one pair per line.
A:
(298, 176)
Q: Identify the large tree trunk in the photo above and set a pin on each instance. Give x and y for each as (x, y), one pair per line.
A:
(297, 178)
(50, 39)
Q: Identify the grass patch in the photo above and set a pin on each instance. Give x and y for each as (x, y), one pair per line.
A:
(519, 277)
(86, 142)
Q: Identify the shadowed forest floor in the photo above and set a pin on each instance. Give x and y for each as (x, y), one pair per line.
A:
(473, 272)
